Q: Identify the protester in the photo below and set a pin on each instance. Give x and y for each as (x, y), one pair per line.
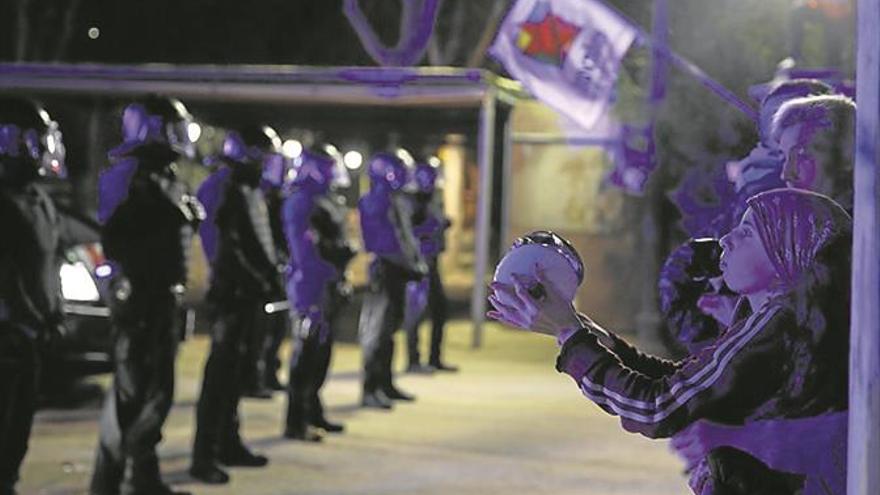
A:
(787, 359)
(816, 136)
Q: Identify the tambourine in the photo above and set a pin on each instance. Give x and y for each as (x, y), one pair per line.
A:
(558, 259)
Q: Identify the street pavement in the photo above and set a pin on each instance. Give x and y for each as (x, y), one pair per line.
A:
(506, 424)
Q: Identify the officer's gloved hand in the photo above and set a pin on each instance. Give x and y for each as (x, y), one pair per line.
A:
(421, 268)
(195, 210)
(313, 325)
(56, 330)
(344, 289)
(120, 289)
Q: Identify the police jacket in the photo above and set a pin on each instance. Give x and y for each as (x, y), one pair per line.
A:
(34, 231)
(305, 224)
(275, 202)
(386, 226)
(210, 194)
(149, 234)
(429, 224)
(764, 366)
(329, 222)
(246, 264)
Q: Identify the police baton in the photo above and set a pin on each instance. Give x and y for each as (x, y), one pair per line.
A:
(276, 307)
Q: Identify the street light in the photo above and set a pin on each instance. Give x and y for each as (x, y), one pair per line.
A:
(353, 160)
(193, 131)
(292, 148)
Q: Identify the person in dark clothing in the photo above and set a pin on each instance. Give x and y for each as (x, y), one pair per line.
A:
(816, 135)
(790, 259)
(694, 310)
(729, 471)
(244, 276)
(273, 325)
(34, 230)
(147, 238)
(387, 230)
(429, 226)
(211, 193)
(314, 222)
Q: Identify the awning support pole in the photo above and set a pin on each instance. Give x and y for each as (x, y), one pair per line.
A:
(486, 152)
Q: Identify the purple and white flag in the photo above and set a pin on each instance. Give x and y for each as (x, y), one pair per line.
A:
(566, 53)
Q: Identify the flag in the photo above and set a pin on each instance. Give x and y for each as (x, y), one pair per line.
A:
(566, 53)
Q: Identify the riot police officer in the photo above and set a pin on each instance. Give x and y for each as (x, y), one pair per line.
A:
(314, 222)
(429, 227)
(274, 325)
(147, 237)
(211, 194)
(387, 232)
(244, 276)
(33, 229)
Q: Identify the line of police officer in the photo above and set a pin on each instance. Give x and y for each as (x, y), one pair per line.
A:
(148, 220)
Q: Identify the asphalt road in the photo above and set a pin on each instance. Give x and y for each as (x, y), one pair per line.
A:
(506, 424)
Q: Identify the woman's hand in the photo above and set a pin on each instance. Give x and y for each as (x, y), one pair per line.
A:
(533, 304)
(718, 306)
(694, 442)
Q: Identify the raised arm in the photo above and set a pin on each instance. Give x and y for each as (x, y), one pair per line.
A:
(724, 382)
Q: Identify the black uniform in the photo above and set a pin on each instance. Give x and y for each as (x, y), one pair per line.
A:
(148, 237)
(429, 227)
(244, 278)
(312, 348)
(271, 328)
(387, 230)
(30, 308)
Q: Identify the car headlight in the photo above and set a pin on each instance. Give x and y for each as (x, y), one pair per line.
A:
(77, 283)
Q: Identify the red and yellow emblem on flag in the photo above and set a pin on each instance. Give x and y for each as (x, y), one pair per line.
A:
(546, 36)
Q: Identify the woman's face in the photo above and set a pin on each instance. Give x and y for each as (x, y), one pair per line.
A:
(745, 266)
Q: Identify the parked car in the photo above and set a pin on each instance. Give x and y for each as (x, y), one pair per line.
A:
(85, 348)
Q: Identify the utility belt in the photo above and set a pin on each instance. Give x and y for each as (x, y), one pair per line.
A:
(382, 268)
(124, 293)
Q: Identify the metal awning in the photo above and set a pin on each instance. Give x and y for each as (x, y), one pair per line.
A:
(382, 86)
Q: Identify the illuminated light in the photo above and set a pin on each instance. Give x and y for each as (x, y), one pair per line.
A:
(77, 284)
(405, 157)
(353, 160)
(94, 33)
(434, 162)
(292, 148)
(331, 150)
(50, 143)
(275, 307)
(193, 131)
(103, 271)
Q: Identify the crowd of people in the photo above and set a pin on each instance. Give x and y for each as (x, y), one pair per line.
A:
(759, 307)
(274, 231)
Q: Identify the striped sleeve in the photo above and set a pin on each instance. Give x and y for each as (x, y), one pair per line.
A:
(724, 382)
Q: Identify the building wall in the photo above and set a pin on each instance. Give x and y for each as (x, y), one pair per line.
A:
(560, 187)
